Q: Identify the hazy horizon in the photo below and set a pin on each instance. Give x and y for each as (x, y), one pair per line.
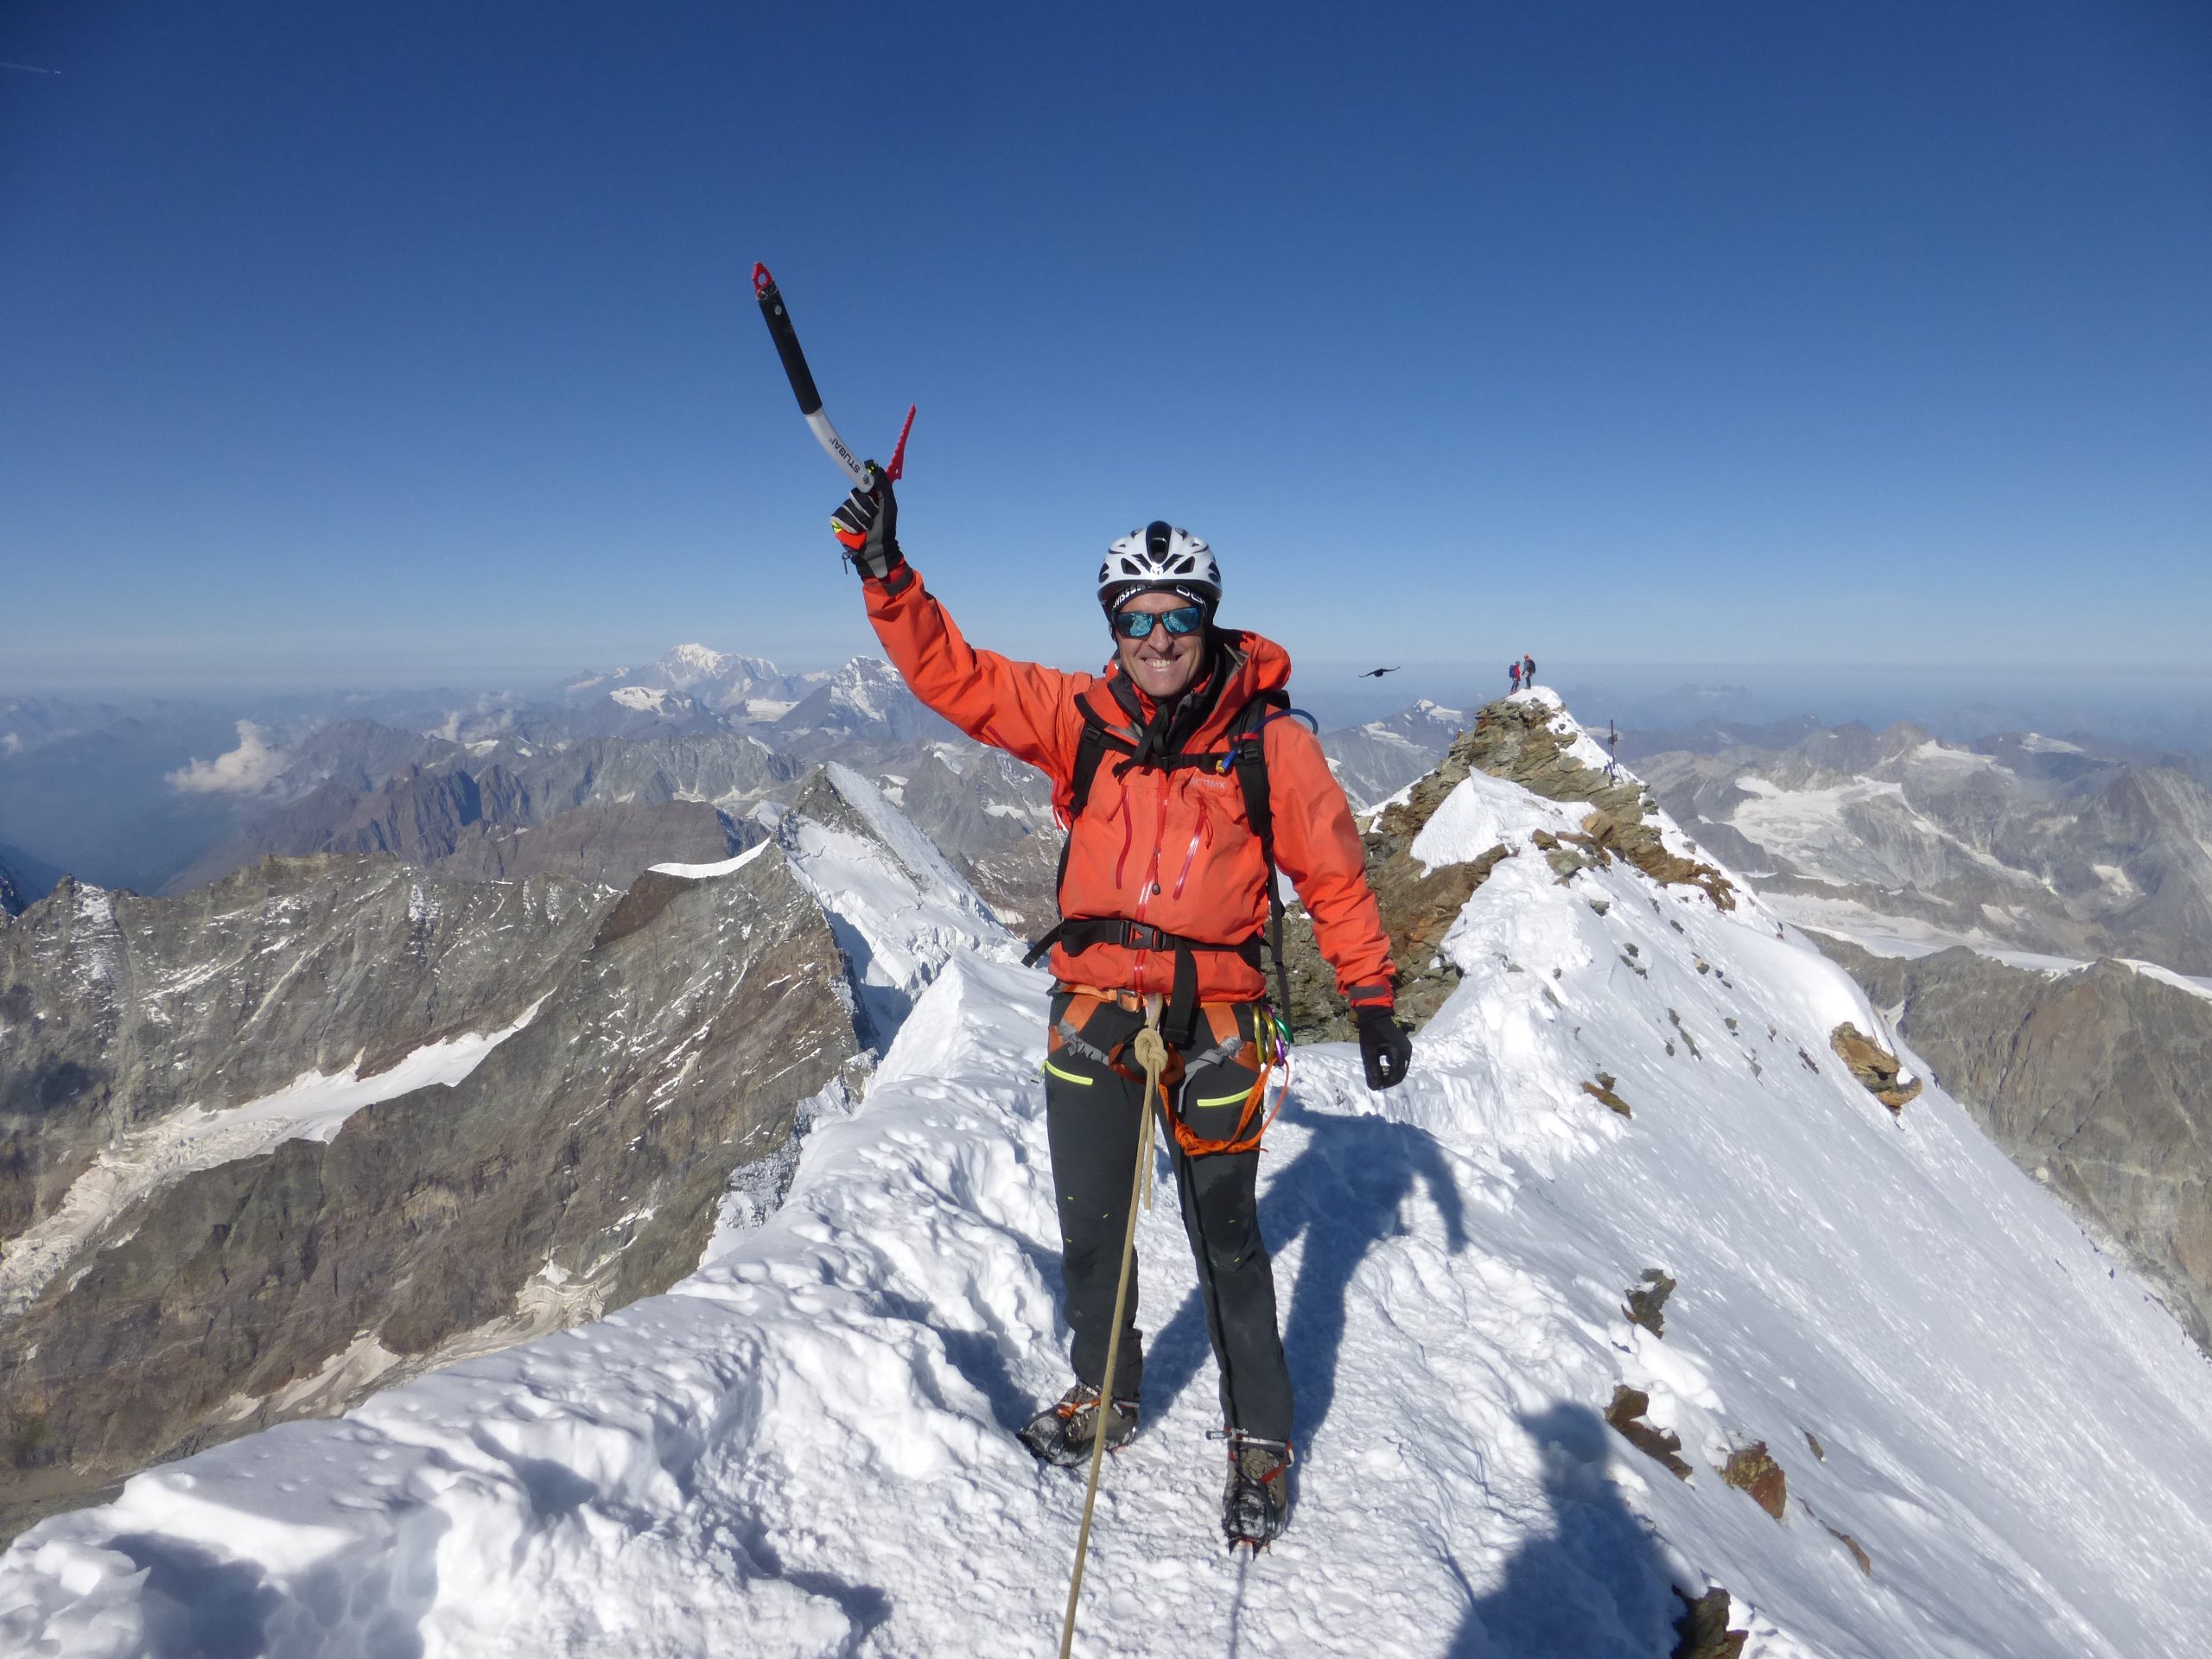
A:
(2151, 706)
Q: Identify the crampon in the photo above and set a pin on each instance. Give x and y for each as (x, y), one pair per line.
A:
(1061, 1433)
(1255, 1501)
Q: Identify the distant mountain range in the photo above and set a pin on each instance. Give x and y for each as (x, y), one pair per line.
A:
(2019, 842)
(2068, 846)
(1374, 761)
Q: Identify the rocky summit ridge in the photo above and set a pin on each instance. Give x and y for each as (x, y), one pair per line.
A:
(1525, 739)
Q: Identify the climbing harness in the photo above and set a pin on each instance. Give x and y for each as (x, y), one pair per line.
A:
(1266, 1053)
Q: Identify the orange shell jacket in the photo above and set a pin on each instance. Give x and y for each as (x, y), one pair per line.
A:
(1171, 849)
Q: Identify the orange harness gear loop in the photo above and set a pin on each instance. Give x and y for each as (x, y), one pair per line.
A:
(1220, 1019)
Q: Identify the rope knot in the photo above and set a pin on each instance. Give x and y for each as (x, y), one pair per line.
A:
(1152, 1053)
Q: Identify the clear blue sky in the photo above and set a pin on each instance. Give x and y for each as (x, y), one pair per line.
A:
(408, 341)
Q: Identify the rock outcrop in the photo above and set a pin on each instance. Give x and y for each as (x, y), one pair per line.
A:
(1878, 1072)
(1663, 1445)
(2095, 1082)
(1752, 1469)
(1523, 740)
(1702, 1631)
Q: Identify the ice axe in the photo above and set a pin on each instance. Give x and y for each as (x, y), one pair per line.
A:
(779, 319)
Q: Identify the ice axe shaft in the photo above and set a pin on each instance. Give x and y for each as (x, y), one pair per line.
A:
(778, 318)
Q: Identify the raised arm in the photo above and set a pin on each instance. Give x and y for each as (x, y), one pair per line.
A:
(1025, 708)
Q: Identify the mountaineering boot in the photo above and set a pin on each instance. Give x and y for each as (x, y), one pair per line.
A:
(1061, 1433)
(1255, 1503)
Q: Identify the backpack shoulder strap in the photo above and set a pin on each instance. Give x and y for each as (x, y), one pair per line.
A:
(1089, 752)
(1249, 757)
(1090, 748)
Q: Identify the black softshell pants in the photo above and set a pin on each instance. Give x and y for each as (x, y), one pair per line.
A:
(1091, 1119)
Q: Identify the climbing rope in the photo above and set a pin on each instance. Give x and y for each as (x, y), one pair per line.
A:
(1151, 1055)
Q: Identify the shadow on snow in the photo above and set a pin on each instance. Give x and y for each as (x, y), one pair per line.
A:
(1595, 1587)
(1344, 1193)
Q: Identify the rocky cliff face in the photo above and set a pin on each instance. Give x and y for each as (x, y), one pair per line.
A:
(609, 846)
(656, 800)
(2098, 1083)
(330, 1121)
(119, 1011)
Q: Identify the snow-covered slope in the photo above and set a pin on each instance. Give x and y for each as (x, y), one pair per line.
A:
(804, 1449)
(897, 908)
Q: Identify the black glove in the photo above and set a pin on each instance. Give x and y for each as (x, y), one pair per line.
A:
(1384, 1047)
(867, 526)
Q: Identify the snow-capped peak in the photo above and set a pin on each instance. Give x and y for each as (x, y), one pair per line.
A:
(702, 658)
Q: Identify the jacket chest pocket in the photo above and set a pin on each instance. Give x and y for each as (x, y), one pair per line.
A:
(1206, 833)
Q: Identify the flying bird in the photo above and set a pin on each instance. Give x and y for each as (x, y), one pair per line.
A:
(1378, 673)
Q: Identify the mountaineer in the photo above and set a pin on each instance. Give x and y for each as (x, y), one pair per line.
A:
(1182, 783)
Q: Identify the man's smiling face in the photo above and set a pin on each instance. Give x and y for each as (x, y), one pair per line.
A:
(1161, 664)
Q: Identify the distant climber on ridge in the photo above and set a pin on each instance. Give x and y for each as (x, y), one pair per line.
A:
(1157, 764)
(1513, 674)
(1528, 672)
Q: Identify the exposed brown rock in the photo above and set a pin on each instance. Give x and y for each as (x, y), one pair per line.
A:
(1814, 1441)
(1878, 1072)
(1702, 1631)
(1601, 1092)
(1661, 1445)
(1857, 1550)
(1753, 1469)
(1647, 1301)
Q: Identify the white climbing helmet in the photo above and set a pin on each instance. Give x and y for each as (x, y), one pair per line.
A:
(1160, 556)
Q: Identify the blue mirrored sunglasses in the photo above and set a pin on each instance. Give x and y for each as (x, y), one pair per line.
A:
(1184, 618)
